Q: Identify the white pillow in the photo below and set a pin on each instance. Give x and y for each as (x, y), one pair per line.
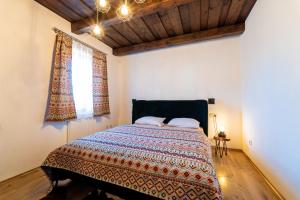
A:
(156, 121)
(184, 123)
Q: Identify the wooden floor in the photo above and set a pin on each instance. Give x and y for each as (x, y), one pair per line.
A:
(237, 176)
(239, 179)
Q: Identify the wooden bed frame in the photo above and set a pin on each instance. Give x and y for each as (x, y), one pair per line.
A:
(197, 109)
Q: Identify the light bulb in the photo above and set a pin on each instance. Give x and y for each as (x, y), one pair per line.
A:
(102, 3)
(222, 129)
(124, 13)
(97, 30)
(124, 10)
(103, 6)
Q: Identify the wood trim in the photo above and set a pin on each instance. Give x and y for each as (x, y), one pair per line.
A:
(83, 25)
(20, 175)
(229, 149)
(265, 178)
(182, 39)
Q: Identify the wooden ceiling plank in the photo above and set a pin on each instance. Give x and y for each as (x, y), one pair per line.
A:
(128, 33)
(139, 27)
(49, 4)
(195, 15)
(182, 39)
(172, 21)
(248, 6)
(113, 34)
(155, 25)
(224, 12)
(110, 42)
(215, 7)
(69, 10)
(79, 7)
(148, 8)
(204, 14)
(175, 19)
(185, 18)
(166, 20)
(234, 11)
(90, 4)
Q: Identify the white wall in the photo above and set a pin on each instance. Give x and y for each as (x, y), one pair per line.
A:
(266, 56)
(197, 71)
(271, 92)
(26, 49)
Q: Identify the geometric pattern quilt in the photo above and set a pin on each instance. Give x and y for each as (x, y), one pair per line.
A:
(164, 162)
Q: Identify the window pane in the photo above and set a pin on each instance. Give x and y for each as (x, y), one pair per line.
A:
(82, 77)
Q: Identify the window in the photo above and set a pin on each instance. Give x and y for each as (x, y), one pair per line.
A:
(82, 79)
(78, 85)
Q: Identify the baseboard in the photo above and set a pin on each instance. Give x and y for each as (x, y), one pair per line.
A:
(230, 149)
(265, 178)
(22, 174)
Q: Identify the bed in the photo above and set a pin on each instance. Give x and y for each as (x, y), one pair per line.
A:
(144, 161)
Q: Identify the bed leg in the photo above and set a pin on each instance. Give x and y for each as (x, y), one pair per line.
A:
(55, 183)
(103, 195)
(53, 186)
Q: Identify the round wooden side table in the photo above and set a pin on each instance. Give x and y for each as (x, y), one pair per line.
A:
(222, 149)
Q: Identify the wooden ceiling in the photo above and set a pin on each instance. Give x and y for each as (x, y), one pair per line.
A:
(157, 23)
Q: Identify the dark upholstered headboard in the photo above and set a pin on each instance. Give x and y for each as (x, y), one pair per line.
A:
(196, 109)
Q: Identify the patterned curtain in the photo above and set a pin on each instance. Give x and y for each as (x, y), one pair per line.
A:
(61, 104)
(100, 85)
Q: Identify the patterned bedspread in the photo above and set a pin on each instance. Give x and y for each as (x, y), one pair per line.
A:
(164, 162)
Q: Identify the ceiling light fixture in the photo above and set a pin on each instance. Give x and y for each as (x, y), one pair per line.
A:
(103, 5)
(98, 30)
(124, 12)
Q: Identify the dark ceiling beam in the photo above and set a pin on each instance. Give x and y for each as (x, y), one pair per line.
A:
(182, 39)
(109, 19)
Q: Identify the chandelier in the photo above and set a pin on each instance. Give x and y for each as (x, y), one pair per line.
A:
(124, 13)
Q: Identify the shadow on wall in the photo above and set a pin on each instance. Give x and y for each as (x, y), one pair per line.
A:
(56, 125)
(75, 129)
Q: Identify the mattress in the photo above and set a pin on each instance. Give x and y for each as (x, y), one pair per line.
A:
(163, 162)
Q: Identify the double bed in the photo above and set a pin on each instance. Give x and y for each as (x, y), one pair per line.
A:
(144, 161)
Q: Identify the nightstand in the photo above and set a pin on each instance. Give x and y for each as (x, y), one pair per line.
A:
(222, 149)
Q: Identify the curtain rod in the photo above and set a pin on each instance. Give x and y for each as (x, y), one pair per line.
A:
(56, 30)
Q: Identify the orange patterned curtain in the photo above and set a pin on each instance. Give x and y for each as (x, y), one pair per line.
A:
(61, 104)
(100, 85)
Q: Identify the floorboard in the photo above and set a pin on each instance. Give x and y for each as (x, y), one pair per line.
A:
(238, 178)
